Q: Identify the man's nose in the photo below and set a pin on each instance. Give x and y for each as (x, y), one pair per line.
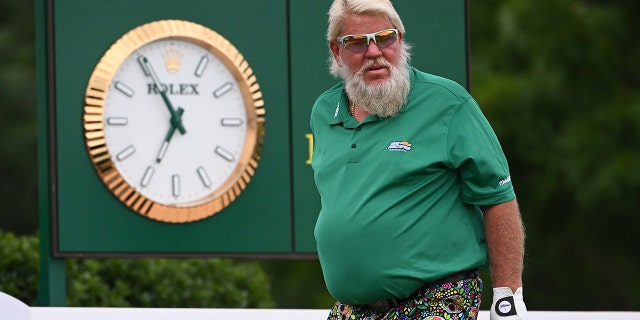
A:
(373, 49)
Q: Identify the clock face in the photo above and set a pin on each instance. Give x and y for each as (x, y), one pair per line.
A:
(175, 128)
(164, 164)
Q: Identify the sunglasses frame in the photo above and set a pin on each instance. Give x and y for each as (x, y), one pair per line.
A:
(370, 36)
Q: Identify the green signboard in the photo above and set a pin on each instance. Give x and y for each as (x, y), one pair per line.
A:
(284, 44)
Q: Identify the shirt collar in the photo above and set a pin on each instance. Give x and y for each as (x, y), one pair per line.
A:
(342, 115)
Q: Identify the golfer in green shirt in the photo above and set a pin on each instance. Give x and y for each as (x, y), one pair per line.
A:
(415, 189)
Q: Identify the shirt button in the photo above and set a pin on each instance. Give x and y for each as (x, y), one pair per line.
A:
(353, 146)
(358, 128)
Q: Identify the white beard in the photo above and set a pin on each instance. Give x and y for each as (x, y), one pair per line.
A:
(385, 99)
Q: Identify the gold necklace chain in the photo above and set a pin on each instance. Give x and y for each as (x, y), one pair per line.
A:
(352, 109)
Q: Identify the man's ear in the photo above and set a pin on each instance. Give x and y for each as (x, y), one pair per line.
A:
(335, 49)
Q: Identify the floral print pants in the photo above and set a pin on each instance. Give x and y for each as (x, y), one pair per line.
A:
(458, 300)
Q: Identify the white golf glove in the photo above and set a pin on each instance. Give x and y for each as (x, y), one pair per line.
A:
(508, 305)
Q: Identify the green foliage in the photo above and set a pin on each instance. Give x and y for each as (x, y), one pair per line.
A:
(19, 263)
(17, 117)
(298, 284)
(184, 283)
(558, 80)
(194, 283)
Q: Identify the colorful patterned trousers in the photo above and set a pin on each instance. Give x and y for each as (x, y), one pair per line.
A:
(458, 300)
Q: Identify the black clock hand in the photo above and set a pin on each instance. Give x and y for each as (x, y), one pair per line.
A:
(167, 138)
(176, 120)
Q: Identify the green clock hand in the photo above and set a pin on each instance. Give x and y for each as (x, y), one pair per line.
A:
(176, 121)
(167, 138)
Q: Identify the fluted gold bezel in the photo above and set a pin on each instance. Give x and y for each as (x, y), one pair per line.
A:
(93, 120)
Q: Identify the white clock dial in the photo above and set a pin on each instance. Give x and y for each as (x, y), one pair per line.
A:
(174, 121)
(137, 122)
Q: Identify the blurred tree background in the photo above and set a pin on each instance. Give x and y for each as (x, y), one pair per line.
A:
(18, 163)
(559, 80)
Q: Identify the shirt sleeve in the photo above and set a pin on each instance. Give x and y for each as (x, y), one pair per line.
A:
(474, 150)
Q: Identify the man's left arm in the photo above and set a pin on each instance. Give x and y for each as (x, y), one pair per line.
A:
(505, 242)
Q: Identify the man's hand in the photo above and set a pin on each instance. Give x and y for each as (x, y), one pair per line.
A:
(508, 305)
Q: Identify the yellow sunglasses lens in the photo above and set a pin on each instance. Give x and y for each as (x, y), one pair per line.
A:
(354, 42)
(385, 38)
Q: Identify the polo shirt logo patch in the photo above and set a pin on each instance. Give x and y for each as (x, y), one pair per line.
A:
(399, 146)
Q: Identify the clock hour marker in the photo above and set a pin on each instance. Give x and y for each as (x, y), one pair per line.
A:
(231, 122)
(117, 121)
(201, 66)
(223, 89)
(148, 174)
(224, 154)
(204, 177)
(175, 185)
(124, 89)
(128, 151)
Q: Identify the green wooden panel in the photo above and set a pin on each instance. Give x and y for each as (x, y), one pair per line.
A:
(309, 78)
(90, 219)
(436, 29)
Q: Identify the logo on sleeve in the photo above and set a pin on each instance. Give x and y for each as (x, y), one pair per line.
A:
(399, 146)
(505, 181)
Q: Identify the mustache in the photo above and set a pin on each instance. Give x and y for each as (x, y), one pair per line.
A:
(377, 62)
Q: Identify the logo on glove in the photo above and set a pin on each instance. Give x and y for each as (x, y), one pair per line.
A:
(504, 307)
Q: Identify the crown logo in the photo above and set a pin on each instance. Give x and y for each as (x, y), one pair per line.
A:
(172, 58)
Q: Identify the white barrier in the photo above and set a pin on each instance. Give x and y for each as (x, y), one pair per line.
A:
(14, 309)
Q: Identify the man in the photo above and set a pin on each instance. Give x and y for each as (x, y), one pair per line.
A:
(415, 190)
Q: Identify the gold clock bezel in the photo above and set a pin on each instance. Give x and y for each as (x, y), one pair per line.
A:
(93, 120)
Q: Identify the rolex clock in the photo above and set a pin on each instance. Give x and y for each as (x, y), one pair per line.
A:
(174, 121)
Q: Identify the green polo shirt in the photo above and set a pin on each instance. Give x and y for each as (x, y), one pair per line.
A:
(400, 195)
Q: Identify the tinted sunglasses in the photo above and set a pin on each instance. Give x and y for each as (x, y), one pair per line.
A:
(360, 42)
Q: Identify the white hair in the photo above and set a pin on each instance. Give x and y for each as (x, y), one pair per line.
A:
(340, 8)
